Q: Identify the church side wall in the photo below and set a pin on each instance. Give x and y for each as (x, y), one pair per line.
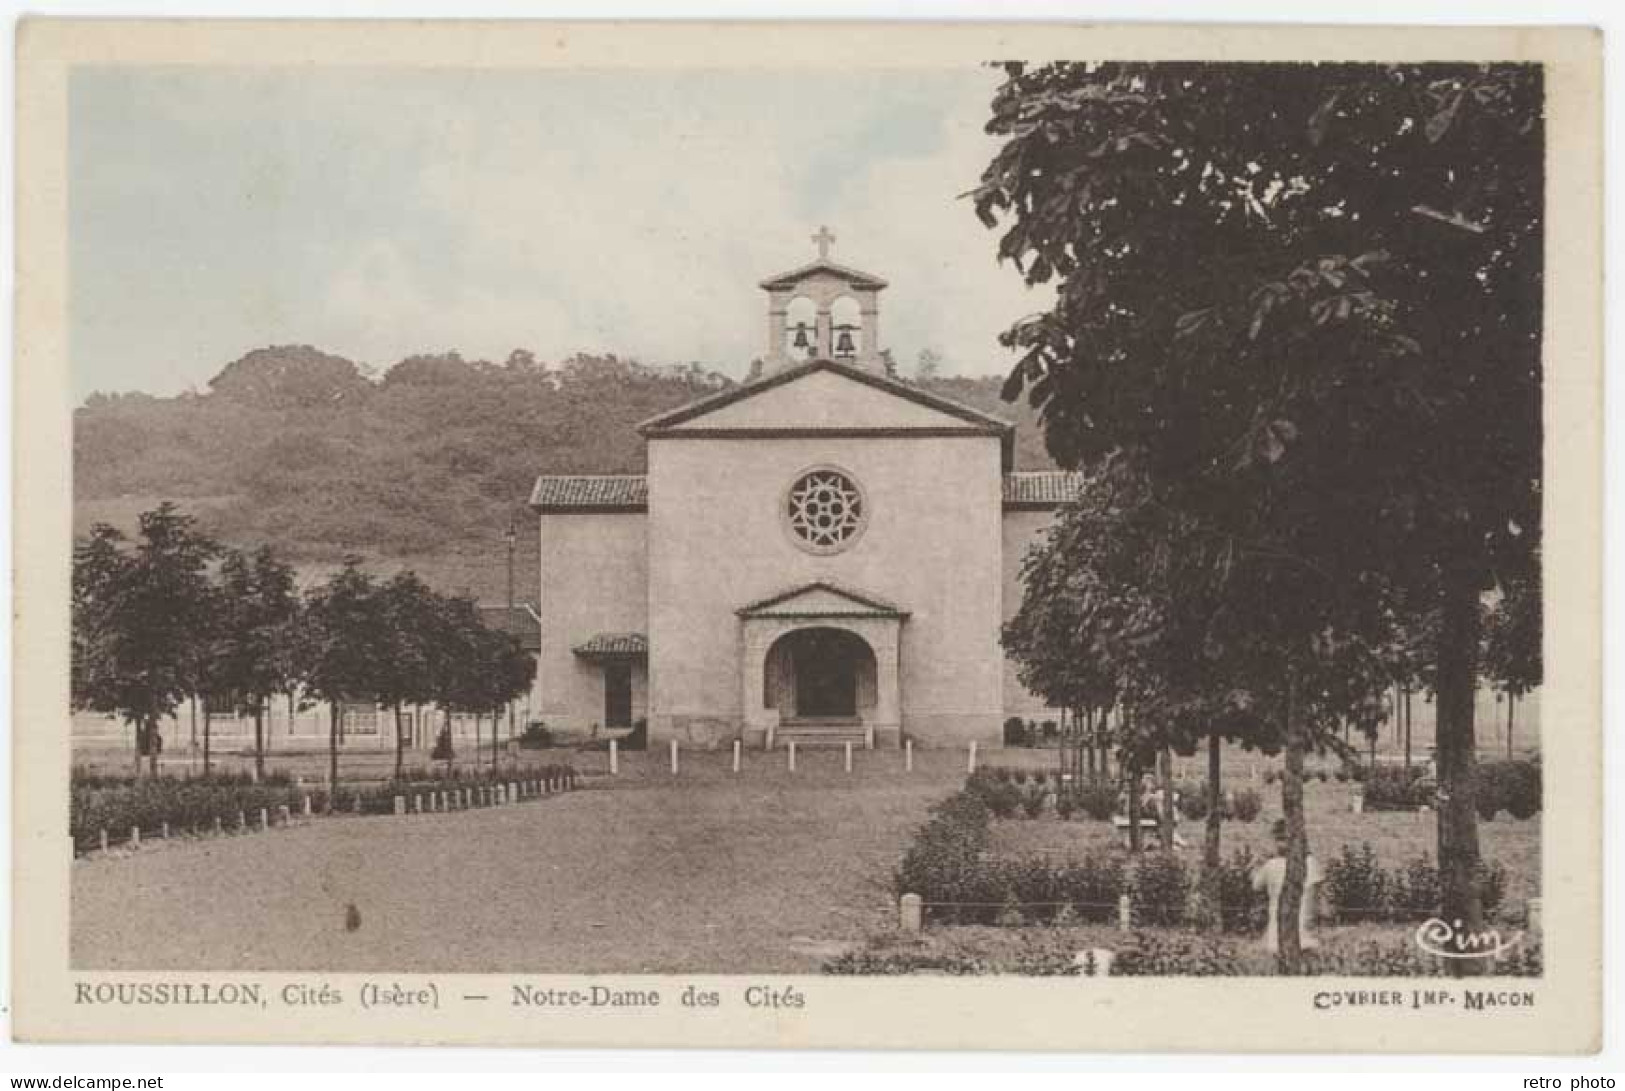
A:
(932, 545)
(594, 579)
(1021, 530)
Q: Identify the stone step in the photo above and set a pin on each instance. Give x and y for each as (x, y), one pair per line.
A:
(821, 733)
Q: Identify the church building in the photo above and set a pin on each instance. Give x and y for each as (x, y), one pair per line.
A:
(824, 554)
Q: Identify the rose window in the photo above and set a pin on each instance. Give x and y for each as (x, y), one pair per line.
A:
(826, 510)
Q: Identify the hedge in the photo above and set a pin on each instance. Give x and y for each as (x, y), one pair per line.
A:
(117, 805)
(1359, 888)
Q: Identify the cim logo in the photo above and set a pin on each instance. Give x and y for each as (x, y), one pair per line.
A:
(1449, 939)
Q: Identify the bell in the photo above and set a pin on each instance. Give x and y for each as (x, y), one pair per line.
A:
(843, 343)
(801, 341)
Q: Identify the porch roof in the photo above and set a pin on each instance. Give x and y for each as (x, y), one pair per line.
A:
(1040, 490)
(822, 598)
(613, 646)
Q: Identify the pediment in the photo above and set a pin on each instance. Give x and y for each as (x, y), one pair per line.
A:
(822, 598)
(825, 396)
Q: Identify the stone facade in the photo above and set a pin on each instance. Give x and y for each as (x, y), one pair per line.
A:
(824, 499)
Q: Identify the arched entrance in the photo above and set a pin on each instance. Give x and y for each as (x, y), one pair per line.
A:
(821, 663)
(820, 674)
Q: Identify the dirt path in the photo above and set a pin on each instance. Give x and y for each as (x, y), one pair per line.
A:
(750, 874)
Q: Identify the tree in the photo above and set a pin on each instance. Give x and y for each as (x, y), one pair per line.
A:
(1409, 656)
(1125, 600)
(345, 648)
(928, 365)
(1304, 300)
(444, 369)
(512, 671)
(258, 613)
(472, 667)
(291, 377)
(409, 610)
(1512, 640)
(137, 616)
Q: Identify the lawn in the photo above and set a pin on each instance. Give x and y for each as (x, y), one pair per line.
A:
(707, 871)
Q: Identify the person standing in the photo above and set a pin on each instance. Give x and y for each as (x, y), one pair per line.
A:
(1270, 877)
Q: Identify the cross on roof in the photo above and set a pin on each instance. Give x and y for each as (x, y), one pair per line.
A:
(823, 240)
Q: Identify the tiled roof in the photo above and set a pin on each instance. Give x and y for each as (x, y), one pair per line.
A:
(1041, 488)
(612, 644)
(586, 492)
(527, 624)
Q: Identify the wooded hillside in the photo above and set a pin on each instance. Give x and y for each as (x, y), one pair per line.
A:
(420, 468)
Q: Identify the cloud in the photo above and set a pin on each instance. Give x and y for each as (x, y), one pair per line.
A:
(631, 212)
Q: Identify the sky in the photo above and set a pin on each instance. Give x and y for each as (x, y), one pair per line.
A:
(380, 213)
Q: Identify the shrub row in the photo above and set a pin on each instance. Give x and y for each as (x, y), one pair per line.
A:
(1019, 732)
(1146, 954)
(1511, 786)
(118, 805)
(1395, 788)
(184, 804)
(85, 777)
(1199, 955)
(1359, 888)
(947, 866)
(1241, 805)
(944, 861)
(1011, 793)
(1342, 774)
(381, 799)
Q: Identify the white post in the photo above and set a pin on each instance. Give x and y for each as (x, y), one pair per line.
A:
(1125, 914)
(791, 750)
(911, 913)
(265, 820)
(163, 831)
(305, 806)
(614, 757)
(135, 837)
(400, 804)
(908, 755)
(849, 757)
(103, 836)
(674, 757)
(1095, 962)
(738, 746)
(970, 763)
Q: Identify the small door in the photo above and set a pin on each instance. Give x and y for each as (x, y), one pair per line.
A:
(826, 677)
(617, 695)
